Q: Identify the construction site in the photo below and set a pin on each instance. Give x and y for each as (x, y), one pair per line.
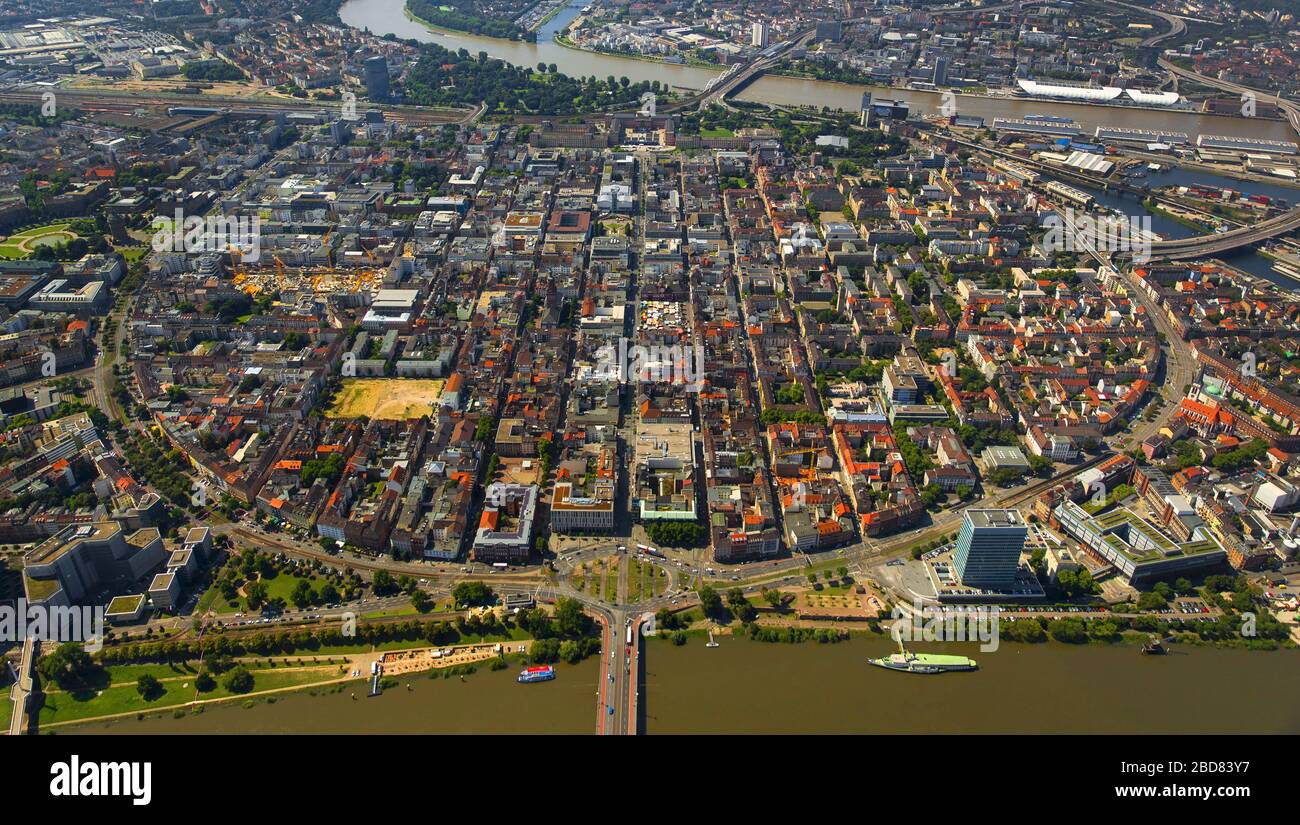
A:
(341, 273)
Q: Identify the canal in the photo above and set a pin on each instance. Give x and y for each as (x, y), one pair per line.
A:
(389, 17)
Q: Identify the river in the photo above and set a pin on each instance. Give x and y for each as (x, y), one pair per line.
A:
(752, 687)
(388, 17)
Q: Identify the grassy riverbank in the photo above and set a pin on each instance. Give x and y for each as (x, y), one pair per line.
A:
(120, 695)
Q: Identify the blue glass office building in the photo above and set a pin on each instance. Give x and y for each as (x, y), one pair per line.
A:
(988, 548)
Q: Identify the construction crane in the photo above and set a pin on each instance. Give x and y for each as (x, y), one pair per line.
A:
(241, 272)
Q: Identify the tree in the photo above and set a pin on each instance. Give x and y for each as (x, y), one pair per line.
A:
(1070, 631)
(255, 591)
(1074, 583)
(544, 651)
(330, 469)
(1040, 465)
(421, 601)
(570, 620)
(69, 666)
(1152, 601)
(239, 680)
(383, 583)
(302, 594)
(666, 619)
(471, 593)
(329, 594)
(710, 601)
(677, 533)
(149, 687)
(740, 606)
(1106, 631)
(773, 598)
(204, 683)
(1004, 477)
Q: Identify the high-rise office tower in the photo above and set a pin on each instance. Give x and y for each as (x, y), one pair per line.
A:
(988, 547)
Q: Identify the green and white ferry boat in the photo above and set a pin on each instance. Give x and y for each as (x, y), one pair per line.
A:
(923, 662)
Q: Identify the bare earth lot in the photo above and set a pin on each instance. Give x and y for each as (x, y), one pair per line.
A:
(393, 398)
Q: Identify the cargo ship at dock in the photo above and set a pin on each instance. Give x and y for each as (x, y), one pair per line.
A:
(544, 673)
(909, 662)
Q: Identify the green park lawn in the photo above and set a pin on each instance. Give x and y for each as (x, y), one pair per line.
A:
(21, 244)
(281, 585)
(121, 695)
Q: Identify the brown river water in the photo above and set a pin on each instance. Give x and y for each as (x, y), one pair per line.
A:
(753, 687)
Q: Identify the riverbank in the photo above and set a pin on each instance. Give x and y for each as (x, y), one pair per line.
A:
(550, 15)
(1156, 208)
(414, 18)
(436, 702)
(527, 35)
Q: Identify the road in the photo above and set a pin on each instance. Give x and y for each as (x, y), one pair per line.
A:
(740, 75)
(1179, 364)
(102, 379)
(1203, 246)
